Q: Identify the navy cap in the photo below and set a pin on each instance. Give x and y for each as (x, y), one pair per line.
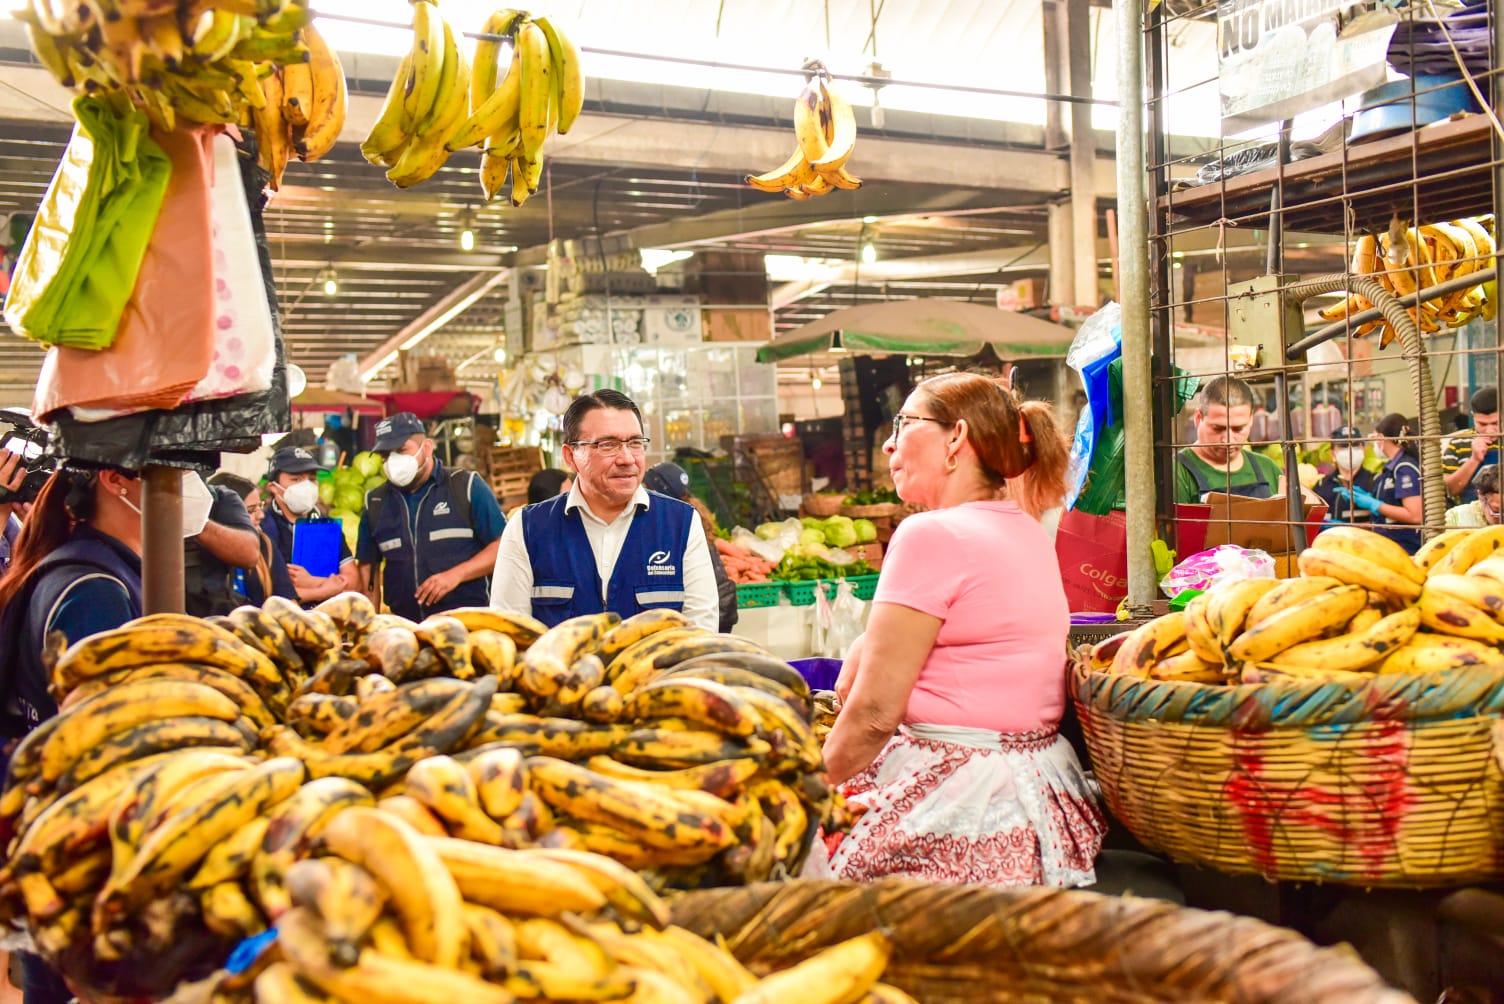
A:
(393, 432)
(1348, 434)
(293, 460)
(667, 479)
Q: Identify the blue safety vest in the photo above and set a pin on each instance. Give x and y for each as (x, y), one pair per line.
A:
(649, 572)
(446, 538)
(23, 679)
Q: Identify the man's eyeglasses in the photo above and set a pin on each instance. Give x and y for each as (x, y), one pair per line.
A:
(611, 447)
(900, 420)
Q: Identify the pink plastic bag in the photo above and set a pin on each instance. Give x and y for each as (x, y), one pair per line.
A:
(1222, 563)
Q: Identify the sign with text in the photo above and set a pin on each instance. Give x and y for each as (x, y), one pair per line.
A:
(1277, 58)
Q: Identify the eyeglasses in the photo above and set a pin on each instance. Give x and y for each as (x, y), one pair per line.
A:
(611, 447)
(900, 420)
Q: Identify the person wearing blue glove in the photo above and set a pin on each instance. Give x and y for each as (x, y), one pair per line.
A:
(1395, 500)
(1347, 473)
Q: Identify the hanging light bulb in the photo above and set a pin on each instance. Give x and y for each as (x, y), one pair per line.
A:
(467, 232)
(331, 284)
(500, 354)
(869, 253)
(816, 383)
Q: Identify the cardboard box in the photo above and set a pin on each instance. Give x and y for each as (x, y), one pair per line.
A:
(1260, 524)
(1093, 556)
(753, 324)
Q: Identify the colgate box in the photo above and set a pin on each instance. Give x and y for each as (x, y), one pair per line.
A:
(1093, 556)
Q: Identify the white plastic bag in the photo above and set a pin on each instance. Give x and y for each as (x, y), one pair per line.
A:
(1223, 563)
(838, 621)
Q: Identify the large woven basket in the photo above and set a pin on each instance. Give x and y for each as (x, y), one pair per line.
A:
(823, 503)
(882, 510)
(1389, 781)
(969, 944)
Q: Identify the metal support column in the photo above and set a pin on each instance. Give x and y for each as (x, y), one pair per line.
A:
(162, 540)
(1083, 155)
(1060, 211)
(1133, 224)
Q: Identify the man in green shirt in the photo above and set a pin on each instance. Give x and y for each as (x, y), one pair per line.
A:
(1219, 460)
(1473, 450)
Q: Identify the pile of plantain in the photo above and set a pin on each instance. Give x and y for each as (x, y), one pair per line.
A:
(1361, 607)
(193, 763)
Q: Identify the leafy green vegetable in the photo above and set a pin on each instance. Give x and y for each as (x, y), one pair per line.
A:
(874, 496)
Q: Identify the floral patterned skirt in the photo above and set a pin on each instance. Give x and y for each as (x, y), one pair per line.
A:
(960, 805)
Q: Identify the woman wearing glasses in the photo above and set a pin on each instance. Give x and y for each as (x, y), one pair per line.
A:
(950, 701)
(609, 543)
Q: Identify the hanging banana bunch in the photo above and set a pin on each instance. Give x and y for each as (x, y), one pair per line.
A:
(303, 109)
(508, 114)
(1408, 259)
(825, 130)
(204, 62)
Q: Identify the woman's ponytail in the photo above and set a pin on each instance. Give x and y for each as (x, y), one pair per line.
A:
(1041, 486)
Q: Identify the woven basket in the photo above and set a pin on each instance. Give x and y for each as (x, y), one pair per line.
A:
(883, 510)
(969, 944)
(1390, 781)
(822, 504)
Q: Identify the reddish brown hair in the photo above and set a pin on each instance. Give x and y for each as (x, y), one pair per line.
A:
(48, 526)
(1018, 443)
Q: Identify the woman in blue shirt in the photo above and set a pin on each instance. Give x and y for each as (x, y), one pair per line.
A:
(1395, 500)
(76, 568)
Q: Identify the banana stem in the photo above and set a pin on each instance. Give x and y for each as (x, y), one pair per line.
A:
(1433, 492)
(1336, 328)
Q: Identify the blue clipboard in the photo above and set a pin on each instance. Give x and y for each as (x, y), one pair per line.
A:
(316, 544)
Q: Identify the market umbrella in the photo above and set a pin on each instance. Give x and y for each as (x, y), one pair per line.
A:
(924, 327)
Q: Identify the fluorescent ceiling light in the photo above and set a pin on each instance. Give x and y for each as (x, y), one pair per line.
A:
(655, 258)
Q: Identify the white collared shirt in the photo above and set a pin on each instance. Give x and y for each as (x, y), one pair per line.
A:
(512, 584)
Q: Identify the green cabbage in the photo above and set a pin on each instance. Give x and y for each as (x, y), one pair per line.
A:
(866, 530)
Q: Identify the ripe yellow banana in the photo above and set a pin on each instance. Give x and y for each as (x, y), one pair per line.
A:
(813, 122)
(181, 841)
(545, 665)
(1374, 546)
(532, 112)
(1445, 613)
(521, 628)
(1438, 547)
(1432, 653)
(236, 689)
(1149, 643)
(627, 892)
(1476, 546)
(1284, 595)
(145, 641)
(428, 64)
(443, 785)
(406, 863)
(294, 826)
(843, 972)
(1189, 667)
(684, 747)
(844, 125)
(126, 706)
(653, 815)
(316, 137)
(1359, 571)
(414, 813)
(1199, 635)
(345, 897)
(1356, 650)
(789, 175)
(391, 131)
(637, 627)
(709, 704)
(1478, 590)
(1227, 609)
(500, 779)
(230, 860)
(228, 911)
(517, 882)
(493, 940)
(1304, 621)
(566, 74)
(498, 112)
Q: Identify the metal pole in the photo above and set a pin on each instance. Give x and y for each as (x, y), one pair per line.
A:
(162, 540)
(1133, 221)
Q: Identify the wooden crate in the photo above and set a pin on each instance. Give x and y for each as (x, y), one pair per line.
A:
(509, 469)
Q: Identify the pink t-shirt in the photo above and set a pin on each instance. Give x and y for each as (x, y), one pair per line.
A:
(988, 570)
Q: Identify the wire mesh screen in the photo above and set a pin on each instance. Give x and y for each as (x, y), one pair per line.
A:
(1323, 269)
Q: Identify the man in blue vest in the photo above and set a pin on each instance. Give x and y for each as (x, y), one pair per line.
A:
(434, 530)
(609, 543)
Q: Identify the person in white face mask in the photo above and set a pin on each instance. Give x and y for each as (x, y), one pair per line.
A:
(293, 486)
(1348, 451)
(428, 537)
(1483, 510)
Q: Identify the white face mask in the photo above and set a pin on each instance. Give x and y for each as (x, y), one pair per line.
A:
(301, 497)
(198, 500)
(1349, 459)
(401, 468)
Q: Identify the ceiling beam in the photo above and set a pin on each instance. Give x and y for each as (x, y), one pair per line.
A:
(443, 310)
(1024, 258)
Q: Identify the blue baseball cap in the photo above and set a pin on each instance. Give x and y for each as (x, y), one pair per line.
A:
(667, 479)
(293, 460)
(394, 431)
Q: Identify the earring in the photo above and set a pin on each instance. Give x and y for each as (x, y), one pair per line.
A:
(950, 463)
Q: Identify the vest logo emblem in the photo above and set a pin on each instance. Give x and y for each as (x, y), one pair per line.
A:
(659, 564)
(442, 509)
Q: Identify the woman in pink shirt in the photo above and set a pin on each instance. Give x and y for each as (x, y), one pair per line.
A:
(950, 702)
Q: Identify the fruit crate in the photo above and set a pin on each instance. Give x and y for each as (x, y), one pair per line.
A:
(759, 594)
(802, 593)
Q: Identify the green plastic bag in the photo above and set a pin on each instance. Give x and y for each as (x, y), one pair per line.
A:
(79, 264)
